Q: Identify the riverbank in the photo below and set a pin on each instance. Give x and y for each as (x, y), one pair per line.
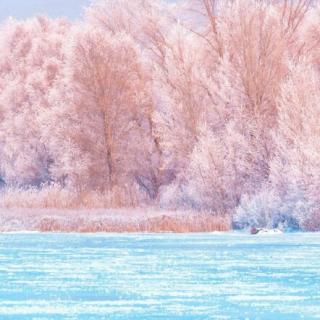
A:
(109, 220)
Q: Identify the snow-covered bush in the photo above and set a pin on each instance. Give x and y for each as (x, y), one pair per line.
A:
(265, 209)
(255, 211)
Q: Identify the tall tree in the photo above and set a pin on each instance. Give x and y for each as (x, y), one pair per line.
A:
(30, 61)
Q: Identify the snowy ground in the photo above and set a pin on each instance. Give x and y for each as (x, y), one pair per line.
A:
(142, 220)
(159, 276)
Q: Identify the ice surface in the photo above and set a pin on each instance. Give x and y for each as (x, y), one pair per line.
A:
(159, 276)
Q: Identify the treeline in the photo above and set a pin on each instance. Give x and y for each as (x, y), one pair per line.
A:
(204, 105)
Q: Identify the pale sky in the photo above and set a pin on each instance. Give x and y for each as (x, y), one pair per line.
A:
(22, 9)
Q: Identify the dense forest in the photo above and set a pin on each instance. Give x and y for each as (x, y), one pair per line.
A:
(204, 105)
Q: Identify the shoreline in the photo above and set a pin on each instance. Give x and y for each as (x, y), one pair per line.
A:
(110, 221)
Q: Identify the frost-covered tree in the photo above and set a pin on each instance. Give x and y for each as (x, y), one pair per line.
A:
(295, 167)
(224, 75)
(178, 95)
(30, 60)
(146, 23)
(102, 108)
(291, 198)
(227, 159)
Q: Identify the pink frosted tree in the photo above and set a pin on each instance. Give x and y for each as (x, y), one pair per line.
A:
(104, 140)
(30, 60)
(294, 170)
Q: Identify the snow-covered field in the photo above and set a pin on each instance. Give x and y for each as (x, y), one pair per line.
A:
(159, 276)
(103, 220)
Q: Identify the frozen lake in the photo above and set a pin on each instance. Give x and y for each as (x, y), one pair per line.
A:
(167, 276)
